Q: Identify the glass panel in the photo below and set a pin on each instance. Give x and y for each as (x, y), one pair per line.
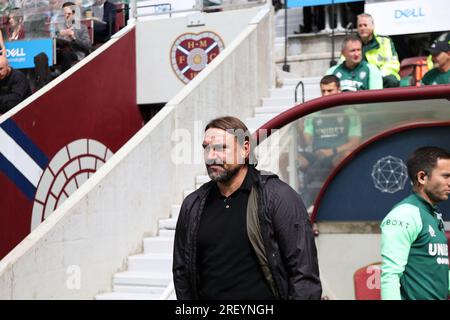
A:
(30, 19)
(306, 151)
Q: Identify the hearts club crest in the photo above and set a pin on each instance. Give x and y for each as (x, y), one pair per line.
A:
(191, 53)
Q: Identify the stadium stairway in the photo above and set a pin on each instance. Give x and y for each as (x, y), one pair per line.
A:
(282, 99)
(150, 273)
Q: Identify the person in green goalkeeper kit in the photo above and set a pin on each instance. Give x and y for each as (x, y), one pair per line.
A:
(414, 248)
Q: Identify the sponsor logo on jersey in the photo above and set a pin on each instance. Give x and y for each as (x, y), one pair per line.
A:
(431, 231)
(438, 249)
(393, 222)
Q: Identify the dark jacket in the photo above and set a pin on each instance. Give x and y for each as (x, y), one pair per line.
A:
(13, 90)
(104, 31)
(279, 230)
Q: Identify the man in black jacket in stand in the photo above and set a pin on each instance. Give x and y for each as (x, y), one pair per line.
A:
(14, 86)
(245, 234)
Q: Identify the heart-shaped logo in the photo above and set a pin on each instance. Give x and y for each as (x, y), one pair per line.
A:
(191, 53)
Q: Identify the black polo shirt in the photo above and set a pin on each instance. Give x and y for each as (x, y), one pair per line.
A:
(229, 268)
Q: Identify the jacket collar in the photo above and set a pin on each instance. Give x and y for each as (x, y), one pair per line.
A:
(424, 203)
(256, 177)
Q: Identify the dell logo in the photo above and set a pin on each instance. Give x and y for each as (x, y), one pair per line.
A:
(16, 52)
(409, 13)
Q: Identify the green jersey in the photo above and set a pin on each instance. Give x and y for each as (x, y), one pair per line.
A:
(434, 76)
(363, 77)
(331, 129)
(414, 252)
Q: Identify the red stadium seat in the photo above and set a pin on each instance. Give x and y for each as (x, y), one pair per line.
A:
(367, 281)
(416, 67)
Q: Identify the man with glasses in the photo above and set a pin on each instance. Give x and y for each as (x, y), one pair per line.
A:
(414, 247)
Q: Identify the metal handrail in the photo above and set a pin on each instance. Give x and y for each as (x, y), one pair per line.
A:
(303, 91)
(348, 29)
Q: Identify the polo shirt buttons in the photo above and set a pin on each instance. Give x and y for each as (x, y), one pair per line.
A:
(226, 200)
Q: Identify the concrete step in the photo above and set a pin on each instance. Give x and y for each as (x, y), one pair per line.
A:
(126, 296)
(168, 224)
(277, 102)
(175, 210)
(139, 289)
(254, 123)
(130, 278)
(271, 110)
(166, 233)
(306, 81)
(154, 262)
(158, 245)
(267, 116)
(289, 92)
(281, 92)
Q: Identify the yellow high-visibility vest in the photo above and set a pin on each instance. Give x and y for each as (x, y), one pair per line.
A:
(384, 57)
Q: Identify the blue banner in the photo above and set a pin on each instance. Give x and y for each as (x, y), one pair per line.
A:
(21, 53)
(309, 3)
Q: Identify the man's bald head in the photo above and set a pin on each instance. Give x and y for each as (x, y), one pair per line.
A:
(5, 69)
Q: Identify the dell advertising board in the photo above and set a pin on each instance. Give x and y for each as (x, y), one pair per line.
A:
(408, 17)
(21, 53)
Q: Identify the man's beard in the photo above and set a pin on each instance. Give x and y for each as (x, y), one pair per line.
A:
(223, 176)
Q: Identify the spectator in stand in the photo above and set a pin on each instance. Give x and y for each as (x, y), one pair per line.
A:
(379, 51)
(277, 4)
(55, 15)
(4, 9)
(16, 30)
(354, 72)
(14, 86)
(104, 14)
(440, 74)
(313, 19)
(73, 42)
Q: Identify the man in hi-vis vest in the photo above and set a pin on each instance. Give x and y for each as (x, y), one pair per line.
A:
(379, 51)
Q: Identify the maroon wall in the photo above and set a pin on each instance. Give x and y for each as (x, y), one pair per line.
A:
(98, 101)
